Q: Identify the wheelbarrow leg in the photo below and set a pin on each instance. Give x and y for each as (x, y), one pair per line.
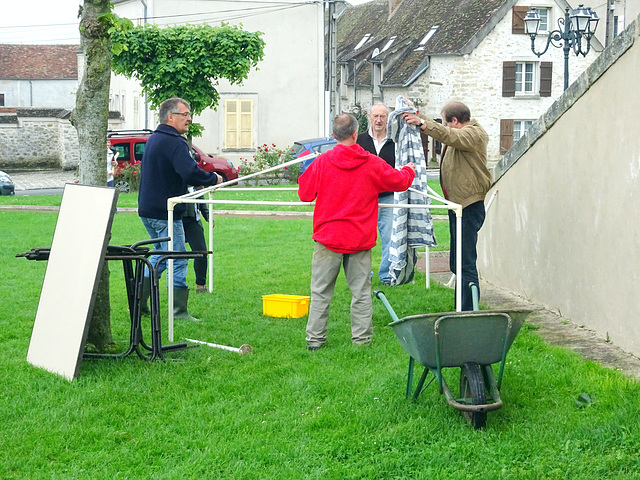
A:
(421, 383)
(410, 376)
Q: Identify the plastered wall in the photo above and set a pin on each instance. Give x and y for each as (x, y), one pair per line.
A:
(563, 230)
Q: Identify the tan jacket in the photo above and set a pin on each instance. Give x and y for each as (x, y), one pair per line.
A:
(464, 176)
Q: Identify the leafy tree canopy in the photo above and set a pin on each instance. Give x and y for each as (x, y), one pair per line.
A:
(186, 61)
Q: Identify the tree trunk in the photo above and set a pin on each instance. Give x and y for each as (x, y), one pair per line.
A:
(90, 118)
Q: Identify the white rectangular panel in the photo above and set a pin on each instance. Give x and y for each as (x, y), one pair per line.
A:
(70, 282)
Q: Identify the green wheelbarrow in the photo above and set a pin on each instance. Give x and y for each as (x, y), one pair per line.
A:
(472, 341)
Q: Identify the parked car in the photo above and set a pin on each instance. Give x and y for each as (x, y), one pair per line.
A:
(6, 185)
(305, 147)
(130, 144)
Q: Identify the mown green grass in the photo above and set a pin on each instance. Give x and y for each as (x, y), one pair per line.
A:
(283, 412)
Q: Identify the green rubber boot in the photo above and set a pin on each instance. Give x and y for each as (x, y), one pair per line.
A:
(146, 293)
(180, 300)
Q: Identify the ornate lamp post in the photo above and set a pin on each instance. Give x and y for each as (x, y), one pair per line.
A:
(572, 31)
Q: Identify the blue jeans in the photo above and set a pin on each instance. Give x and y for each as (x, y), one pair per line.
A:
(385, 225)
(160, 228)
(472, 220)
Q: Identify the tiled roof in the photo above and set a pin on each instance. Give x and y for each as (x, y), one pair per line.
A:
(39, 62)
(459, 24)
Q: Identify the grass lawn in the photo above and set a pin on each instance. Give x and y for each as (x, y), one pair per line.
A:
(283, 412)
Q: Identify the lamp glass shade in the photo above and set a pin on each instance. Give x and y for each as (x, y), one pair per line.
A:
(532, 22)
(581, 17)
(593, 22)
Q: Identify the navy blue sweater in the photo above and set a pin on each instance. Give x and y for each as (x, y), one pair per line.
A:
(167, 170)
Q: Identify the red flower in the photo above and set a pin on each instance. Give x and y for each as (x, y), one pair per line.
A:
(286, 168)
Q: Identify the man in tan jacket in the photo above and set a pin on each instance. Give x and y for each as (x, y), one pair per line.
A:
(465, 179)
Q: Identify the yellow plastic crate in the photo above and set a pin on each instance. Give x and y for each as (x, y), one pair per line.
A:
(292, 306)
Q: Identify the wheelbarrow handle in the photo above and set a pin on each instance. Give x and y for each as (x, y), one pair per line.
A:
(381, 296)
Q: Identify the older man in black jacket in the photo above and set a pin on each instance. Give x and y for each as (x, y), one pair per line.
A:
(375, 141)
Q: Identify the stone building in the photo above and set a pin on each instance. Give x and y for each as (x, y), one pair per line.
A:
(37, 93)
(43, 76)
(475, 51)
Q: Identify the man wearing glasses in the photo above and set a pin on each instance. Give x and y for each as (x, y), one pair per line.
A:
(167, 170)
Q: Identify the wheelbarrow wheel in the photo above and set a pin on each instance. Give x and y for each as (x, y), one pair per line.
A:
(473, 392)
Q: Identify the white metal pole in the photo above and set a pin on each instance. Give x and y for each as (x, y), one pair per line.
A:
(170, 269)
(210, 256)
(241, 351)
(427, 268)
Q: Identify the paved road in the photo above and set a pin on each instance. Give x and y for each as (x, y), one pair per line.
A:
(44, 181)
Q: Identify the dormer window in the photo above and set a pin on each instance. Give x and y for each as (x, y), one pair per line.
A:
(389, 43)
(426, 38)
(364, 40)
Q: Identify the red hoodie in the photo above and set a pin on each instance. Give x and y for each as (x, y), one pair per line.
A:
(345, 183)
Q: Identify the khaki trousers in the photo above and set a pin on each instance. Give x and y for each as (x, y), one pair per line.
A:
(325, 268)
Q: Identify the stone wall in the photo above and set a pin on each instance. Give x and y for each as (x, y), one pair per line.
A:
(39, 138)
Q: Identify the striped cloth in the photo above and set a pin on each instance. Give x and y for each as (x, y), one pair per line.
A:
(412, 227)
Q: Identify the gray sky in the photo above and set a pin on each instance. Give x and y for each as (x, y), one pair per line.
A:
(39, 21)
(45, 21)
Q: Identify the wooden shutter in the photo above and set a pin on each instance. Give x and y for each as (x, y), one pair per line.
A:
(231, 123)
(506, 135)
(246, 123)
(545, 78)
(517, 20)
(238, 123)
(508, 79)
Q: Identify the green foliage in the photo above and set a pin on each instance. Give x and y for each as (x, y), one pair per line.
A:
(115, 24)
(267, 157)
(361, 114)
(186, 61)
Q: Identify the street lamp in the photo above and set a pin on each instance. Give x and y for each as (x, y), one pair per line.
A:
(572, 29)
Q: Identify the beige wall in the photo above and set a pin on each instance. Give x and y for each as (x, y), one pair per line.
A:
(563, 230)
(287, 88)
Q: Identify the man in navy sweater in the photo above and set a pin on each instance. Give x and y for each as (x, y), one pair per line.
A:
(375, 141)
(167, 171)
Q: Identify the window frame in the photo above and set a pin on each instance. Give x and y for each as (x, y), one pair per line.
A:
(522, 128)
(534, 82)
(545, 27)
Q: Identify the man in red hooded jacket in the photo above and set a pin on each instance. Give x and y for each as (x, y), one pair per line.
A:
(345, 183)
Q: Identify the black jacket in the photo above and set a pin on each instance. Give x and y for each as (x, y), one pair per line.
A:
(167, 169)
(387, 152)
